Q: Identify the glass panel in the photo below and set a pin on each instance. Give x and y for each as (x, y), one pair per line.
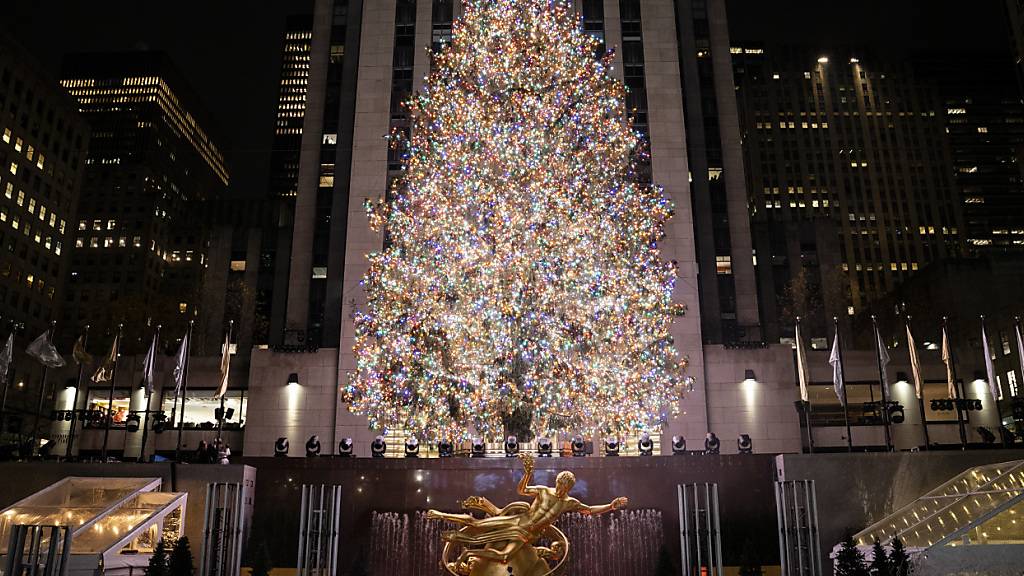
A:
(1007, 527)
(99, 399)
(201, 406)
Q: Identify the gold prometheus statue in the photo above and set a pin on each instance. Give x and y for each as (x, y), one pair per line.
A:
(506, 542)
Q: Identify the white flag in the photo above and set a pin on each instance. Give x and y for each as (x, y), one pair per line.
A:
(1020, 349)
(836, 360)
(42, 350)
(990, 370)
(180, 360)
(947, 359)
(883, 361)
(147, 367)
(915, 363)
(801, 364)
(5, 357)
(225, 366)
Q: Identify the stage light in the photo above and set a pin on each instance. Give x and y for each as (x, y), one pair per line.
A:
(897, 415)
(744, 444)
(986, 435)
(579, 447)
(511, 446)
(378, 447)
(445, 449)
(611, 447)
(478, 450)
(220, 414)
(281, 447)
(678, 445)
(646, 445)
(159, 423)
(131, 423)
(823, 60)
(412, 447)
(712, 445)
(544, 448)
(345, 448)
(313, 446)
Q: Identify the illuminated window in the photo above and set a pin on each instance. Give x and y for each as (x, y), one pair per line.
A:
(714, 174)
(94, 242)
(40, 161)
(183, 307)
(79, 243)
(982, 130)
(3, 214)
(31, 205)
(723, 264)
(9, 190)
(1011, 379)
(330, 139)
(17, 145)
(14, 168)
(7, 135)
(238, 265)
(327, 175)
(30, 152)
(21, 198)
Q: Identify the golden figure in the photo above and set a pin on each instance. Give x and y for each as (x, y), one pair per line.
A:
(503, 542)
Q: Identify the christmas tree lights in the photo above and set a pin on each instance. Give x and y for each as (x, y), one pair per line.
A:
(522, 273)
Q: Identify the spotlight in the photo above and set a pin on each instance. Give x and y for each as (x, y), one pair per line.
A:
(678, 445)
(313, 446)
(511, 446)
(897, 415)
(712, 445)
(220, 414)
(611, 446)
(378, 447)
(744, 444)
(281, 447)
(412, 447)
(445, 449)
(986, 435)
(159, 423)
(646, 445)
(293, 378)
(544, 448)
(579, 447)
(131, 423)
(345, 448)
(478, 449)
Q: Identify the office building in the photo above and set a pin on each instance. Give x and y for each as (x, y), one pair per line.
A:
(144, 221)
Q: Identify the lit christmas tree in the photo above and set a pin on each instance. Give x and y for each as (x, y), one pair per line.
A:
(522, 274)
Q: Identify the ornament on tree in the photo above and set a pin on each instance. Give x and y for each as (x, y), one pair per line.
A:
(522, 272)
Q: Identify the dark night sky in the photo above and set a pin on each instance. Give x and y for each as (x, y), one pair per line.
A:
(229, 49)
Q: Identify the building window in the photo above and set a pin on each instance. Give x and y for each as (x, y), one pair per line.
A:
(201, 406)
(1011, 379)
(723, 264)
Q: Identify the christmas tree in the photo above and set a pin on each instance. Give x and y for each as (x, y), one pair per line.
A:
(522, 273)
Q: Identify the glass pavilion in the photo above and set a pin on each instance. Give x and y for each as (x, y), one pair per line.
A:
(115, 522)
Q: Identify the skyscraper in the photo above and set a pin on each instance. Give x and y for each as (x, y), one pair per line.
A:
(847, 156)
(142, 232)
(43, 145)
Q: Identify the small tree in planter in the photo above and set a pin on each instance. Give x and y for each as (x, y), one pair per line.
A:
(879, 561)
(181, 563)
(849, 560)
(158, 562)
(899, 560)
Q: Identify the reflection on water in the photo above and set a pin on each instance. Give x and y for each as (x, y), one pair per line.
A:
(624, 543)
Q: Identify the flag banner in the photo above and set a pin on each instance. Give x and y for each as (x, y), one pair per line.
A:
(42, 350)
(147, 367)
(947, 359)
(78, 352)
(5, 357)
(801, 364)
(835, 359)
(225, 367)
(990, 370)
(180, 359)
(883, 361)
(106, 370)
(1020, 350)
(915, 364)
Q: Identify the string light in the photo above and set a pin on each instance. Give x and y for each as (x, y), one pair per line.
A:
(522, 272)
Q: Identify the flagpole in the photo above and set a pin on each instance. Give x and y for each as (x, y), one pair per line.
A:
(184, 388)
(149, 396)
(7, 382)
(806, 406)
(993, 386)
(920, 398)
(842, 377)
(956, 386)
(882, 383)
(74, 403)
(110, 398)
(42, 394)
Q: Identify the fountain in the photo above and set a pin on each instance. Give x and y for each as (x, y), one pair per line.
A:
(622, 543)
